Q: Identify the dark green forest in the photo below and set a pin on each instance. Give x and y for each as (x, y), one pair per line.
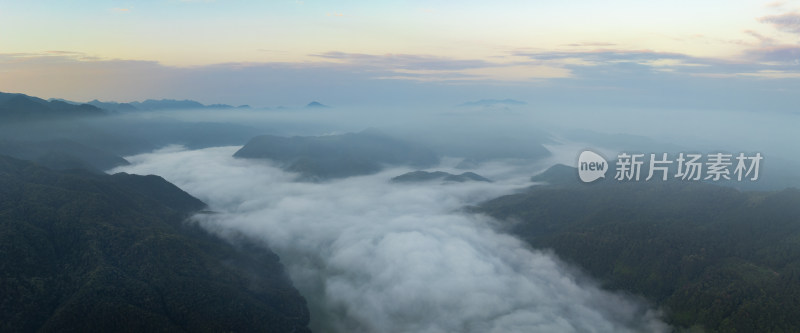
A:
(337, 156)
(444, 177)
(710, 257)
(85, 252)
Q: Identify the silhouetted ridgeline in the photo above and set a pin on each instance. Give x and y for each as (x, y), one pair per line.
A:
(424, 176)
(337, 156)
(709, 255)
(83, 252)
(65, 135)
(20, 108)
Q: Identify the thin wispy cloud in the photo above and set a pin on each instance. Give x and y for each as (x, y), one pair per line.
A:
(442, 69)
(775, 4)
(762, 40)
(767, 74)
(404, 61)
(50, 56)
(776, 55)
(761, 57)
(788, 22)
(592, 44)
(615, 57)
(63, 53)
(341, 77)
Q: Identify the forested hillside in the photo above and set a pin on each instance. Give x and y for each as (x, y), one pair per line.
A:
(82, 252)
(710, 256)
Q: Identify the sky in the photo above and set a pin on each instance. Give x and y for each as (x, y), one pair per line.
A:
(269, 53)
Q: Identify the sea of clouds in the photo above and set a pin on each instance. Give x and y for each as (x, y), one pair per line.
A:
(375, 256)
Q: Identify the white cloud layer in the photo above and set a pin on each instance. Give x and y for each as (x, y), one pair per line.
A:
(372, 256)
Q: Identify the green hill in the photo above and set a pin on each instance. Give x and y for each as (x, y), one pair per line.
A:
(424, 176)
(710, 256)
(82, 252)
(337, 156)
(62, 154)
(558, 174)
(19, 107)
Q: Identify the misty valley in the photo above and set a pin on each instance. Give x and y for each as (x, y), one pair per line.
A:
(175, 216)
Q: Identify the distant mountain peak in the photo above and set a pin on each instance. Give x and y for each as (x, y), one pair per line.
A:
(445, 177)
(316, 104)
(21, 107)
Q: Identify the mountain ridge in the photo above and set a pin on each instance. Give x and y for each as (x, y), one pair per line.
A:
(424, 176)
(711, 256)
(337, 156)
(105, 253)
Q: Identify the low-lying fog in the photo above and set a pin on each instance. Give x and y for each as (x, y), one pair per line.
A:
(375, 256)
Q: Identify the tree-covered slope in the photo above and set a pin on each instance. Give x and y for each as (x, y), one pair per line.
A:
(83, 252)
(337, 156)
(710, 256)
(61, 154)
(445, 177)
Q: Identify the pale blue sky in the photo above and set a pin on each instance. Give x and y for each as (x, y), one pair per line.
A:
(235, 51)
